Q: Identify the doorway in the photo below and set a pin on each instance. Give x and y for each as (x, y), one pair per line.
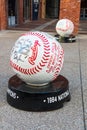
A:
(83, 12)
(12, 12)
(52, 8)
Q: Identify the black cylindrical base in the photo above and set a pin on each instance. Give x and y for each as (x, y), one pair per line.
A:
(69, 39)
(45, 98)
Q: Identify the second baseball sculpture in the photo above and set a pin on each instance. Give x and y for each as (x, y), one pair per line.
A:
(64, 29)
(37, 59)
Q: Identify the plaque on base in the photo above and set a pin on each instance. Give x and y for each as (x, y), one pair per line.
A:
(44, 98)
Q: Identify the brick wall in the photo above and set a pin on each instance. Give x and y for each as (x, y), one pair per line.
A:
(3, 15)
(70, 9)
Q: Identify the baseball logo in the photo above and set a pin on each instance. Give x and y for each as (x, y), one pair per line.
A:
(64, 27)
(37, 58)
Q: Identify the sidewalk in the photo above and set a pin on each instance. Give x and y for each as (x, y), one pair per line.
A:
(73, 116)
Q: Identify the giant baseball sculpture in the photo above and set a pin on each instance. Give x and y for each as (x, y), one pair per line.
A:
(37, 59)
(64, 29)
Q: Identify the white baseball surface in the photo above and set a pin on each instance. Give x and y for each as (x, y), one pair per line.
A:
(37, 58)
(64, 27)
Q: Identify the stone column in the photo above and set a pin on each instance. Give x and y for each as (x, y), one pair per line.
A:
(3, 15)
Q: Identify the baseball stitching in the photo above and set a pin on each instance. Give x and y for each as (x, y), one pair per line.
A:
(60, 63)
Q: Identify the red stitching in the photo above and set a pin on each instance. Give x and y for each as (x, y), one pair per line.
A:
(39, 67)
(36, 69)
(46, 52)
(60, 62)
(46, 55)
(44, 58)
(42, 64)
(31, 71)
(47, 49)
(43, 61)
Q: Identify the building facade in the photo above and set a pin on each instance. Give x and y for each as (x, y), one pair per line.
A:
(14, 12)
